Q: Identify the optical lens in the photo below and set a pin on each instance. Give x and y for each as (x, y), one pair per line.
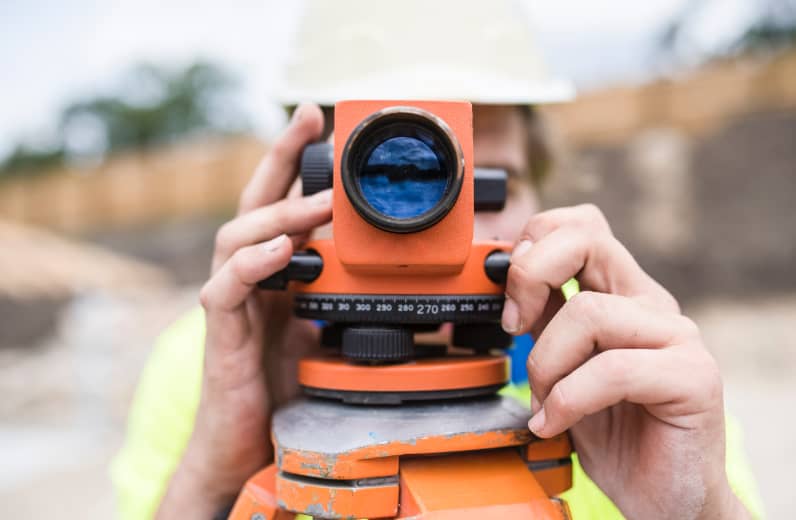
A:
(404, 177)
(402, 169)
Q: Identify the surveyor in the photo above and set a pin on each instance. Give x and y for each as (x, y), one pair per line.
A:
(618, 365)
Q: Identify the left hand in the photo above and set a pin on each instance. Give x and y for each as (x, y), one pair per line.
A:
(621, 368)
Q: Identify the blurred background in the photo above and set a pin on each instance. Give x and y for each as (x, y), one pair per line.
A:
(127, 130)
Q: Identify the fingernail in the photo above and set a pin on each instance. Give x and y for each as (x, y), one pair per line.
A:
(537, 422)
(535, 404)
(511, 316)
(522, 248)
(274, 244)
(322, 198)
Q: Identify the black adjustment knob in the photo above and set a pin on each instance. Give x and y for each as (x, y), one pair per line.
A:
(378, 344)
(496, 266)
(317, 167)
(490, 189)
(304, 266)
(481, 337)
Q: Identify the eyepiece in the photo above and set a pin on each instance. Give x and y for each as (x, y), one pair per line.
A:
(402, 169)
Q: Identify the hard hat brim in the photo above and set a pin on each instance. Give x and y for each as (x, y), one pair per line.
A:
(438, 84)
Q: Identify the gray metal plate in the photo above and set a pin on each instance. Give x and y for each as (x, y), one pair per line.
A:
(332, 428)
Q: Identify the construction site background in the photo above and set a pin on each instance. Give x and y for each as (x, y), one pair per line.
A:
(696, 174)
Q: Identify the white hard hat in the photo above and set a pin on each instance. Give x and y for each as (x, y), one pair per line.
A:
(478, 51)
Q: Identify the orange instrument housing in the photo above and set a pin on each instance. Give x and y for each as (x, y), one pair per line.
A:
(440, 249)
(440, 260)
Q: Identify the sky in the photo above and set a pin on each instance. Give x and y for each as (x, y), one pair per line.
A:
(52, 52)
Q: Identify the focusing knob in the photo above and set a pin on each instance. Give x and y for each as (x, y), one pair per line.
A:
(490, 189)
(481, 337)
(378, 344)
(317, 167)
(304, 266)
(496, 266)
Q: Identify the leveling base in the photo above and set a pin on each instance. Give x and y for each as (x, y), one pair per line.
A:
(471, 459)
(440, 378)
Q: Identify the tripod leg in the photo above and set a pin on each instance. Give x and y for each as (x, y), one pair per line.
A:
(493, 484)
(258, 499)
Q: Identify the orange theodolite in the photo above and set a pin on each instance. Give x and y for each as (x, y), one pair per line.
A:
(391, 427)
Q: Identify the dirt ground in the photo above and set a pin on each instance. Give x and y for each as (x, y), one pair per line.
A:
(66, 399)
(755, 345)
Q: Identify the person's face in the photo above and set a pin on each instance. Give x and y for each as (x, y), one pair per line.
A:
(501, 141)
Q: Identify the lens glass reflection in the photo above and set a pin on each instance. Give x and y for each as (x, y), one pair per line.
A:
(403, 177)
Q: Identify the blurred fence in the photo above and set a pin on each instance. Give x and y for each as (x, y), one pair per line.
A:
(695, 175)
(697, 102)
(193, 178)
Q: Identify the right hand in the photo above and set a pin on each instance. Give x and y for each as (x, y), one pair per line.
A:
(253, 341)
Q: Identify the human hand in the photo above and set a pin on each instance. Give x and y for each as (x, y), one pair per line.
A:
(253, 342)
(621, 368)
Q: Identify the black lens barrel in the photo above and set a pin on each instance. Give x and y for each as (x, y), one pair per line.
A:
(420, 154)
(317, 172)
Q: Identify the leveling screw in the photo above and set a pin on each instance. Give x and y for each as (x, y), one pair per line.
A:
(258, 516)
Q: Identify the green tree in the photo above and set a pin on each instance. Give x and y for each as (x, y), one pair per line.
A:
(152, 106)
